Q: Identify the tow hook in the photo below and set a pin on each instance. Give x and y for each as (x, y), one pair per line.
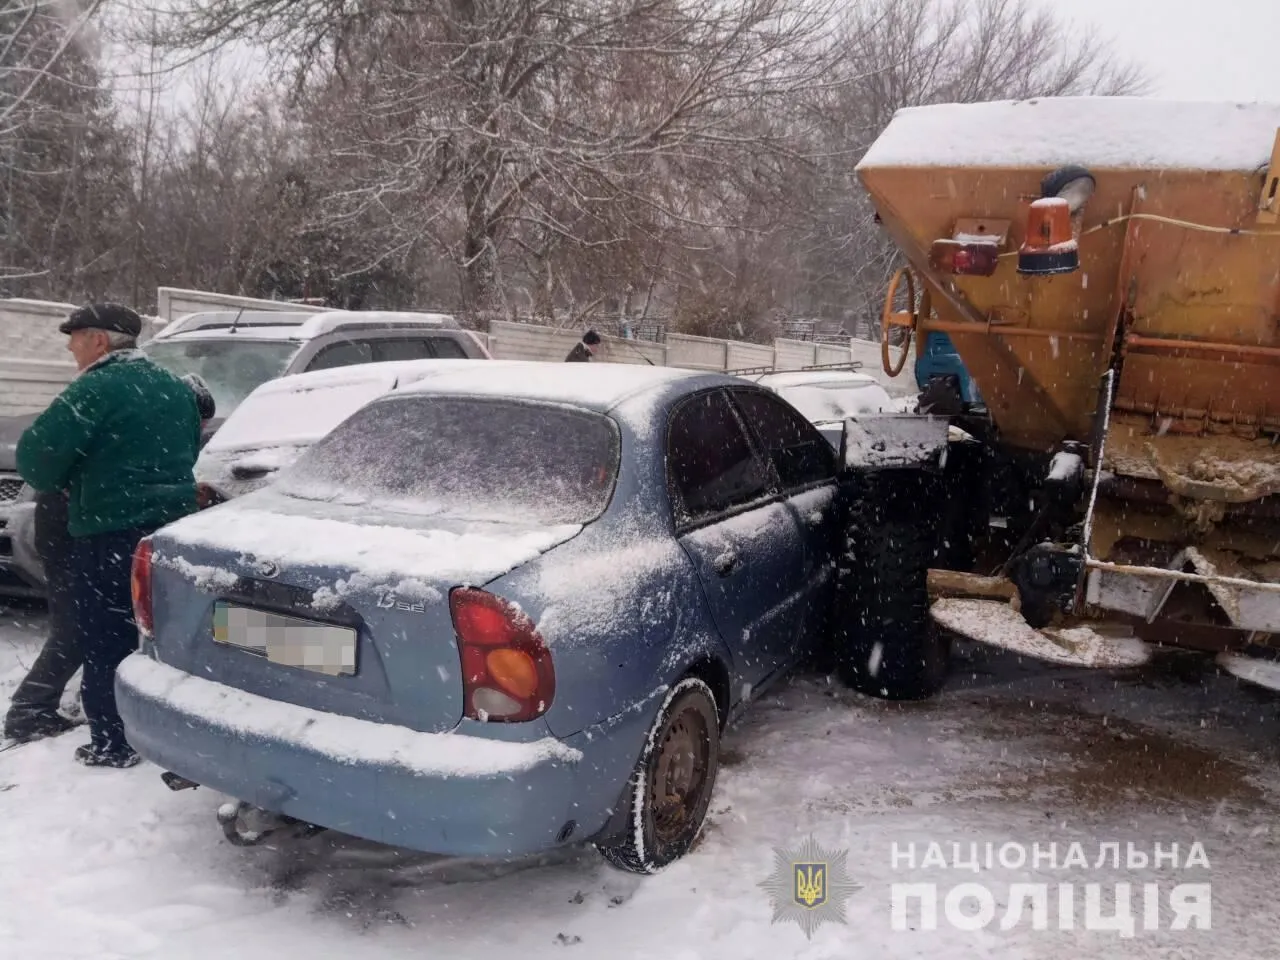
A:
(175, 782)
(247, 826)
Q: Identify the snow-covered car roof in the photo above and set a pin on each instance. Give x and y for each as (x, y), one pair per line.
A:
(402, 371)
(296, 325)
(1098, 132)
(829, 396)
(304, 407)
(594, 386)
(244, 333)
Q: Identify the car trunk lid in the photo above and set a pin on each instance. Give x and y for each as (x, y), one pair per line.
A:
(334, 612)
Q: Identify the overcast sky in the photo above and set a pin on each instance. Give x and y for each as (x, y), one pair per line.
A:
(1193, 49)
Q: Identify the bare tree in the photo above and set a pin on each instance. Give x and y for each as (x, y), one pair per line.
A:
(570, 159)
(62, 165)
(34, 36)
(464, 125)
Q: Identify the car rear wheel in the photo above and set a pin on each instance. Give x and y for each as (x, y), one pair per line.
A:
(670, 790)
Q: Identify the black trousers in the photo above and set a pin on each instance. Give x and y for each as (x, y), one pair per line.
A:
(40, 692)
(100, 570)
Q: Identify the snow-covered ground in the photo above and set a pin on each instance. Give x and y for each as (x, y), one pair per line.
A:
(108, 864)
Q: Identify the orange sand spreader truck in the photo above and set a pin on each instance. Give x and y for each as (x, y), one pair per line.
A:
(1108, 270)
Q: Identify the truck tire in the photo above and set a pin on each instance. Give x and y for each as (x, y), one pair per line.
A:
(885, 643)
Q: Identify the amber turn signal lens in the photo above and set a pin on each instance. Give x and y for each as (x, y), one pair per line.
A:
(514, 671)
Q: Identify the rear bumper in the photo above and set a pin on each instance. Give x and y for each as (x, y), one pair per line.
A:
(452, 793)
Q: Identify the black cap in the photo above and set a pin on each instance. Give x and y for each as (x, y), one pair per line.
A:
(111, 317)
(591, 337)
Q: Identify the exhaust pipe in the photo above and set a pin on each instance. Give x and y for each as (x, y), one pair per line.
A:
(247, 826)
(176, 783)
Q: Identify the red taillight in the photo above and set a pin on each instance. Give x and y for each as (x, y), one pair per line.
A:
(976, 259)
(507, 673)
(207, 496)
(140, 583)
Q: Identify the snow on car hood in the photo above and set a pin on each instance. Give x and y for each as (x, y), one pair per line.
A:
(380, 545)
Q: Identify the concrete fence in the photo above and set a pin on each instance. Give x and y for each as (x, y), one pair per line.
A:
(28, 386)
(526, 341)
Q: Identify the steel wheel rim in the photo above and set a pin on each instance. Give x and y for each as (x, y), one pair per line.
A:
(679, 774)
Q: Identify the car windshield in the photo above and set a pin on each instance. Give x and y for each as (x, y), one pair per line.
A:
(470, 458)
(822, 402)
(233, 369)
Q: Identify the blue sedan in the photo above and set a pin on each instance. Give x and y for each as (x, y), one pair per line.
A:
(488, 616)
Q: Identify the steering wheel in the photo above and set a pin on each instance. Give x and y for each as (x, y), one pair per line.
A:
(908, 320)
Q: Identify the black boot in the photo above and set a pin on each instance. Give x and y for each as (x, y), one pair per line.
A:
(121, 757)
(37, 727)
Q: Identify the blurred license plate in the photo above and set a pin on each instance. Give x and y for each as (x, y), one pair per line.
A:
(291, 641)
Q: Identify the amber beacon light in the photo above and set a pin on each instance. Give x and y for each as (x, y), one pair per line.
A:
(1051, 244)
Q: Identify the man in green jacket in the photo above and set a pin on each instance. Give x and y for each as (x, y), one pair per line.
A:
(122, 440)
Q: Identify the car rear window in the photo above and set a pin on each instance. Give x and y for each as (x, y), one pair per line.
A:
(473, 458)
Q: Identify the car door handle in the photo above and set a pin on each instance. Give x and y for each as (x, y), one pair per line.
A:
(726, 563)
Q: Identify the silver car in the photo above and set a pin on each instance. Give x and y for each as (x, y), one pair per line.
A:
(235, 352)
(21, 574)
(827, 398)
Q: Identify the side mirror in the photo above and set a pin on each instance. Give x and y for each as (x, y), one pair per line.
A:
(251, 471)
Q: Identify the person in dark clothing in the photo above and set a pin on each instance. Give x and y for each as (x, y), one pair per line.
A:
(33, 710)
(122, 439)
(584, 349)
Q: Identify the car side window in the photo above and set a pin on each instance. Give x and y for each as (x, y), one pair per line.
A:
(448, 349)
(710, 463)
(409, 348)
(799, 453)
(344, 354)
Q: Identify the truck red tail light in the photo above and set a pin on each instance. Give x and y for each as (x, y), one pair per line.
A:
(977, 259)
(140, 584)
(507, 674)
